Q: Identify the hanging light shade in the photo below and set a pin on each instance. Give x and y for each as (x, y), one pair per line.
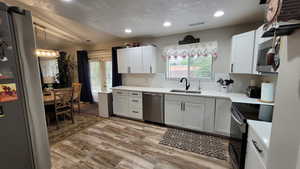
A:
(46, 53)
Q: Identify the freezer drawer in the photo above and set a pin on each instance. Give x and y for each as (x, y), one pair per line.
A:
(153, 107)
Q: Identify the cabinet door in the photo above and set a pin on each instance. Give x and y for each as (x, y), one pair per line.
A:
(136, 63)
(253, 160)
(242, 53)
(123, 60)
(120, 105)
(173, 113)
(193, 116)
(223, 116)
(149, 59)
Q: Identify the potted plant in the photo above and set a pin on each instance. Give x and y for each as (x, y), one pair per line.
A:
(224, 84)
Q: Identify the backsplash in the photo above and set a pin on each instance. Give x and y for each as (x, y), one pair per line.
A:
(241, 82)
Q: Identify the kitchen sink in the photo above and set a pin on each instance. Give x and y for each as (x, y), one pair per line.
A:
(186, 91)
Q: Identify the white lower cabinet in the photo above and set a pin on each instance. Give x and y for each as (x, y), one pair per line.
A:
(128, 104)
(196, 113)
(253, 160)
(193, 116)
(223, 116)
(257, 152)
(120, 105)
(173, 114)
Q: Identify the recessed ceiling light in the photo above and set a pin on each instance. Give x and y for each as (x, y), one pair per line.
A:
(219, 13)
(128, 30)
(167, 24)
(67, 0)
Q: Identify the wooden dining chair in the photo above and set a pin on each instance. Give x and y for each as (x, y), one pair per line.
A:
(76, 94)
(63, 103)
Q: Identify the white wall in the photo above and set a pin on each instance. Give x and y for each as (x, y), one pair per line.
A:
(285, 137)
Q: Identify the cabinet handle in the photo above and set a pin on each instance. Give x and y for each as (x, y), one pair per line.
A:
(256, 146)
(232, 68)
(129, 69)
(135, 112)
(119, 92)
(183, 106)
(135, 94)
(136, 101)
(150, 69)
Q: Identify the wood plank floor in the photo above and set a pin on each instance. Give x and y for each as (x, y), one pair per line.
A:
(125, 144)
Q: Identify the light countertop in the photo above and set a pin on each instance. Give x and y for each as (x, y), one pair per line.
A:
(235, 97)
(105, 91)
(262, 130)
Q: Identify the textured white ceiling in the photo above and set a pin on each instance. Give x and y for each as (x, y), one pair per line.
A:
(107, 19)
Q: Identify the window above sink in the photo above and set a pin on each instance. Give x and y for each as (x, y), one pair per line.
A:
(194, 61)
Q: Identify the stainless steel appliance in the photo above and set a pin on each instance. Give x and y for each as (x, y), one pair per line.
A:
(24, 140)
(153, 107)
(267, 63)
(254, 92)
(240, 113)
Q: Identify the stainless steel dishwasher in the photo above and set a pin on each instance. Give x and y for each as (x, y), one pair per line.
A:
(153, 107)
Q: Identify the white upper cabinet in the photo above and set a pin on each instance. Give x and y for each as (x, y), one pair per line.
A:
(242, 53)
(135, 57)
(137, 60)
(123, 60)
(149, 59)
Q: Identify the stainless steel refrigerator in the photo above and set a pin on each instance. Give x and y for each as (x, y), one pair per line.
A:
(23, 132)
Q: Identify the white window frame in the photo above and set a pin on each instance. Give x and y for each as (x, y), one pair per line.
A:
(189, 72)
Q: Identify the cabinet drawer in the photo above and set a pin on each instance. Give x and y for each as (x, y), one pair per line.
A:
(136, 113)
(253, 160)
(255, 141)
(135, 94)
(135, 103)
(120, 93)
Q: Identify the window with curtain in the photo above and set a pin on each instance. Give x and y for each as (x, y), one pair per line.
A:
(100, 71)
(108, 74)
(95, 79)
(50, 70)
(194, 61)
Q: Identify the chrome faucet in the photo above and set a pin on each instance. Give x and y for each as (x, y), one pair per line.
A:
(187, 84)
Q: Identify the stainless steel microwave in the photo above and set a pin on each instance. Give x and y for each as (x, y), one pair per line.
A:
(265, 63)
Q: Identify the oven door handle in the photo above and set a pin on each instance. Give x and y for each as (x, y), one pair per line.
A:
(241, 124)
(235, 119)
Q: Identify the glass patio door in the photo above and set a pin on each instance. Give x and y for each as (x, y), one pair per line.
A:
(95, 78)
(100, 76)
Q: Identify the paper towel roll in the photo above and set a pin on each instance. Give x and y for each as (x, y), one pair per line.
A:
(267, 92)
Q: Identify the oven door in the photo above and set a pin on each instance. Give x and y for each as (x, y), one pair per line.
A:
(238, 140)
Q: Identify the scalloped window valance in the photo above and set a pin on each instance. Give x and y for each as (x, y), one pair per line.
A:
(203, 49)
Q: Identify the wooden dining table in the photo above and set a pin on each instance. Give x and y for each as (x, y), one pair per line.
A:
(49, 97)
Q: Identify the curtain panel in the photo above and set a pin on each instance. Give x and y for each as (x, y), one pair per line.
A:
(84, 76)
(116, 77)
